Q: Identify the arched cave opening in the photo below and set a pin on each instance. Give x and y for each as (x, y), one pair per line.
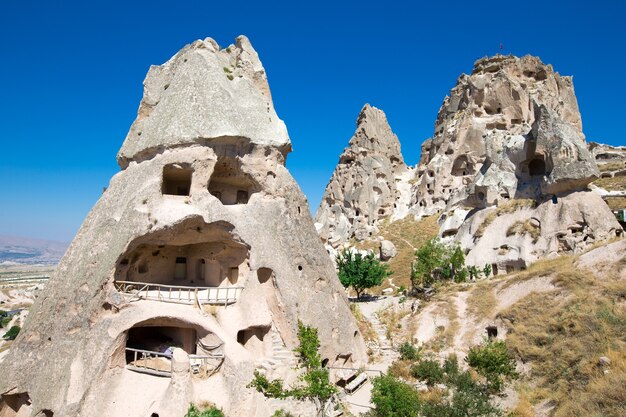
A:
(230, 184)
(537, 167)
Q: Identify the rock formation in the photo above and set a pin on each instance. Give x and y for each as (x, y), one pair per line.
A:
(507, 169)
(363, 188)
(509, 166)
(201, 251)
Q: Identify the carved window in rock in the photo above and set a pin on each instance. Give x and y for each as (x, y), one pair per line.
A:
(195, 254)
(537, 167)
(462, 167)
(230, 184)
(176, 179)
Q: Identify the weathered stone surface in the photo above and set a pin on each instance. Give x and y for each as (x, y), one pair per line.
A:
(234, 104)
(510, 132)
(363, 187)
(511, 129)
(226, 208)
(387, 250)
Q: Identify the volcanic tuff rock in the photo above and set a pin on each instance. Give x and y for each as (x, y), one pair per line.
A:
(507, 167)
(205, 202)
(511, 131)
(363, 187)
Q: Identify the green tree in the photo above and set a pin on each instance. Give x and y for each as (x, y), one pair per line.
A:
(428, 259)
(487, 270)
(394, 398)
(493, 361)
(435, 260)
(360, 272)
(315, 385)
(12, 333)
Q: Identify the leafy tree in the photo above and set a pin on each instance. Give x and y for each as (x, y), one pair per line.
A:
(12, 333)
(315, 381)
(360, 272)
(428, 259)
(435, 260)
(493, 361)
(394, 398)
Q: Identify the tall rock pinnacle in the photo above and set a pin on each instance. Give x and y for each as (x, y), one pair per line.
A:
(363, 187)
(195, 266)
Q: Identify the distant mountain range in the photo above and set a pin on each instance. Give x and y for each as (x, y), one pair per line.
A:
(21, 250)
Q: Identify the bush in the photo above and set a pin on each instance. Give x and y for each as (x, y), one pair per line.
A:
(492, 361)
(393, 398)
(316, 386)
(12, 333)
(409, 352)
(436, 261)
(360, 272)
(193, 411)
(428, 370)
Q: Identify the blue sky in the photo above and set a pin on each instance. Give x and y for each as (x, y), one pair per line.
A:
(72, 75)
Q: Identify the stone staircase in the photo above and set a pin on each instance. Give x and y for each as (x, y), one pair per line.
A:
(381, 332)
(281, 356)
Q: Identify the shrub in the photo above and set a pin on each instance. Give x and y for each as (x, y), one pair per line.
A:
(360, 272)
(316, 386)
(409, 352)
(435, 260)
(492, 361)
(193, 411)
(428, 370)
(12, 333)
(394, 398)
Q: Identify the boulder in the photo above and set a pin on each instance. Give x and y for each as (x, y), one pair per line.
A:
(387, 250)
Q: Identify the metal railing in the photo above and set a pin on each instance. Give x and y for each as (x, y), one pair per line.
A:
(146, 361)
(179, 294)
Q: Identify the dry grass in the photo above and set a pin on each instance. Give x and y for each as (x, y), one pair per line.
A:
(611, 184)
(564, 332)
(611, 166)
(407, 235)
(541, 268)
(391, 318)
(524, 228)
(523, 409)
(508, 207)
(482, 300)
(365, 327)
(402, 369)
(616, 203)
(445, 335)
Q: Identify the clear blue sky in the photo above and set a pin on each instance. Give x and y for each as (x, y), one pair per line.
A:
(72, 75)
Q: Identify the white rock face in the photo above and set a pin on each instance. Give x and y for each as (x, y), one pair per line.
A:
(202, 95)
(510, 133)
(203, 210)
(363, 187)
(387, 250)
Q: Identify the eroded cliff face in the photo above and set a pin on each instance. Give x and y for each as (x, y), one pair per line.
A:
(510, 168)
(203, 244)
(507, 170)
(370, 183)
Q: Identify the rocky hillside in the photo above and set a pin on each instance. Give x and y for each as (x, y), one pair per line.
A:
(369, 183)
(507, 172)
